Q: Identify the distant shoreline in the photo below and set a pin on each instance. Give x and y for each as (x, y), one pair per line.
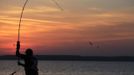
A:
(74, 58)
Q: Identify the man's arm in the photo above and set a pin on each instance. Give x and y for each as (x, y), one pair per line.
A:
(17, 50)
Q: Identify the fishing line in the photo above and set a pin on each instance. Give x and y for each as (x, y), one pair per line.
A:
(58, 5)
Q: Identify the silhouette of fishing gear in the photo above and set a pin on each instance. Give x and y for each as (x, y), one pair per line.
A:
(22, 12)
(21, 16)
(20, 21)
(19, 28)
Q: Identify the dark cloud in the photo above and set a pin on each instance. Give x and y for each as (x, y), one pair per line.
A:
(101, 31)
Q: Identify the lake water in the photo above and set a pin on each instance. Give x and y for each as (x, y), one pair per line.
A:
(72, 68)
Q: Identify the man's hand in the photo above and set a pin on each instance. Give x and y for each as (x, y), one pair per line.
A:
(18, 45)
(21, 64)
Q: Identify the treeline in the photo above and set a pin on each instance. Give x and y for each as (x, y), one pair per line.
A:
(74, 58)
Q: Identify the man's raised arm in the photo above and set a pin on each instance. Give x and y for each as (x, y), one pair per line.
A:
(18, 54)
(18, 48)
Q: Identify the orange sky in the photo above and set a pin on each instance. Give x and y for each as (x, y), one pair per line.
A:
(48, 30)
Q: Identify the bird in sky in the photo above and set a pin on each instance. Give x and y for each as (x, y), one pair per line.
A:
(93, 45)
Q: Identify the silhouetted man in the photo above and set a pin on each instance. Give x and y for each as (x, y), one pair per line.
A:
(30, 62)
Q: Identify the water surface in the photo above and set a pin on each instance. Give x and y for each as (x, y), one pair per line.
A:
(72, 68)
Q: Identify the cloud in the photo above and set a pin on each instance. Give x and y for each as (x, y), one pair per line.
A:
(102, 32)
(115, 31)
(36, 10)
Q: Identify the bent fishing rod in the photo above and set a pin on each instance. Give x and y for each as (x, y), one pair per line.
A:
(22, 12)
(20, 21)
(21, 16)
(19, 28)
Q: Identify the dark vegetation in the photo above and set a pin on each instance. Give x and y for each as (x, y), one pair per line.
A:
(74, 58)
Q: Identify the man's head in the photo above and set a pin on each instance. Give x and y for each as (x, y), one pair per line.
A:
(29, 52)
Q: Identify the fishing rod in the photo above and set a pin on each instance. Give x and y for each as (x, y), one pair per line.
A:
(20, 21)
(19, 28)
(21, 16)
(22, 12)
